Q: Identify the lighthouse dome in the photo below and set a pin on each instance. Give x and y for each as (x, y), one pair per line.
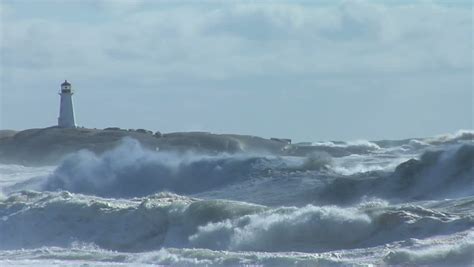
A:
(65, 83)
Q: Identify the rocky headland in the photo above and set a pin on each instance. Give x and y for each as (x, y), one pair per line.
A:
(49, 145)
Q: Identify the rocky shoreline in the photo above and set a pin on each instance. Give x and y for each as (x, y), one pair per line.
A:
(47, 146)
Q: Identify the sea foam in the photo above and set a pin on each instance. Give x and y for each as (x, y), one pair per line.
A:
(34, 219)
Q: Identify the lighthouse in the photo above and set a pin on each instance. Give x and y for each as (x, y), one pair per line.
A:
(66, 110)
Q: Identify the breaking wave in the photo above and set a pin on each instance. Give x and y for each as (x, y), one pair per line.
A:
(448, 255)
(314, 228)
(32, 219)
(435, 175)
(462, 136)
(441, 173)
(353, 145)
(130, 171)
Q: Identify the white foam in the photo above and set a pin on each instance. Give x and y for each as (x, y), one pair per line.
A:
(458, 254)
(350, 144)
(11, 174)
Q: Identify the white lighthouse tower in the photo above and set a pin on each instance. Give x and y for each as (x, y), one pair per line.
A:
(66, 110)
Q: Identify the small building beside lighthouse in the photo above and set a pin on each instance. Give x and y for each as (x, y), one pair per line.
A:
(66, 109)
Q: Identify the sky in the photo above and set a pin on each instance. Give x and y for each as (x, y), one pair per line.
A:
(306, 70)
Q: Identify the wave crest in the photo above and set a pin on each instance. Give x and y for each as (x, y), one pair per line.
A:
(33, 219)
(130, 171)
(436, 175)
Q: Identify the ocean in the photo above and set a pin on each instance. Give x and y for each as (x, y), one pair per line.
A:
(403, 202)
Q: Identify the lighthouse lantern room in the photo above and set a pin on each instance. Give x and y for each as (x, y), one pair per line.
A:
(66, 110)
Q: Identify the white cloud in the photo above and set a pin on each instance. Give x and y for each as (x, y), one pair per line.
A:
(143, 45)
(226, 40)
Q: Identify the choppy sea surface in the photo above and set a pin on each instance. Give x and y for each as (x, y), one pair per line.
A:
(408, 202)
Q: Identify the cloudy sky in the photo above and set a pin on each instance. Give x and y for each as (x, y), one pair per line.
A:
(307, 70)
